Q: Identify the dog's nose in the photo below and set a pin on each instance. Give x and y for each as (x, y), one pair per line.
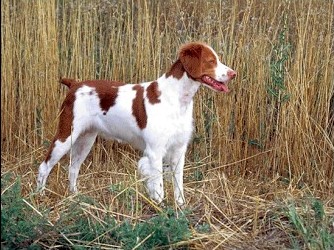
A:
(231, 74)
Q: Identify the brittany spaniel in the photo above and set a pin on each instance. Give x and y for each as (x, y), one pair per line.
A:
(155, 117)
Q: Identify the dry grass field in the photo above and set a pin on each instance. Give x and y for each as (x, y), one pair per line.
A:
(260, 168)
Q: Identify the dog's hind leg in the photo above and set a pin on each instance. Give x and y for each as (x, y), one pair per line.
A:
(58, 148)
(79, 152)
(56, 151)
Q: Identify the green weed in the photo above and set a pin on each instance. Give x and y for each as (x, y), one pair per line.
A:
(161, 231)
(311, 226)
(125, 195)
(19, 227)
(277, 89)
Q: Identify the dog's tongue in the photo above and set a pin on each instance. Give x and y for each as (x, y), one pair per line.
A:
(223, 87)
(219, 86)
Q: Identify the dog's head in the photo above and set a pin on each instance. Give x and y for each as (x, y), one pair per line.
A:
(202, 64)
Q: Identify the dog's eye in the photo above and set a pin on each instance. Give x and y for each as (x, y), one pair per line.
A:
(212, 61)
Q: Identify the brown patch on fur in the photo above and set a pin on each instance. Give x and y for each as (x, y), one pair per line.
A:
(138, 107)
(66, 116)
(48, 154)
(107, 94)
(176, 70)
(153, 93)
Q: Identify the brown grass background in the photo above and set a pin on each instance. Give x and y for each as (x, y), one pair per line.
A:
(251, 151)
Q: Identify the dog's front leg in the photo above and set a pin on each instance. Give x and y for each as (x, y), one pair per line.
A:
(176, 163)
(150, 168)
(178, 182)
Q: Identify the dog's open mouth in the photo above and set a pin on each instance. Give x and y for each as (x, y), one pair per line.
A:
(214, 84)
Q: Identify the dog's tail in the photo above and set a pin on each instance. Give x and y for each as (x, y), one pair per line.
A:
(68, 82)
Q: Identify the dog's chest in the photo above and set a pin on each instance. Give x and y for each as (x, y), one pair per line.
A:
(174, 123)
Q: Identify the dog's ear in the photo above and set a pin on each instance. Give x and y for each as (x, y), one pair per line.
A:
(190, 56)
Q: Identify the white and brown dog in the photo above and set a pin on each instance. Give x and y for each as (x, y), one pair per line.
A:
(155, 117)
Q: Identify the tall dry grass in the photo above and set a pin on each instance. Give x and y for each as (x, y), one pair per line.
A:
(269, 138)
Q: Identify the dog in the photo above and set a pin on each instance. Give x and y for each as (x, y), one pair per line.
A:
(155, 117)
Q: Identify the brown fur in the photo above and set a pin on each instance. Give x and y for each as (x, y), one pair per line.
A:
(138, 107)
(153, 93)
(176, 70)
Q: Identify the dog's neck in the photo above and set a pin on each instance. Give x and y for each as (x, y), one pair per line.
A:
(178, 81)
